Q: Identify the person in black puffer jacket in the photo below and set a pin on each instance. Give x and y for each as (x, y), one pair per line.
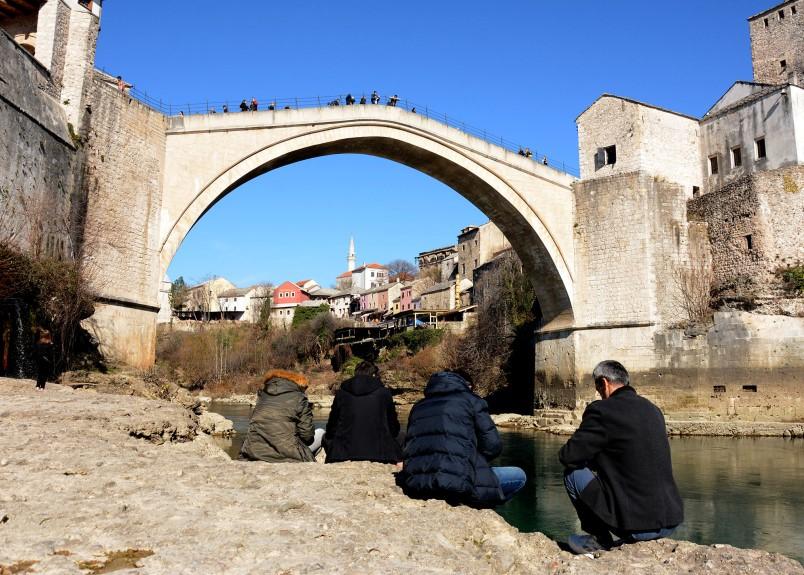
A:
(363, 425)
(450, 440)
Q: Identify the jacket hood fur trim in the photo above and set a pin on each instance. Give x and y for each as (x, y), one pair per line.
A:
(297, 378)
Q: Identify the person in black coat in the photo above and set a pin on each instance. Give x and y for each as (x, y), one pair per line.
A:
(450, 440)
(618, 472)
(362, 424)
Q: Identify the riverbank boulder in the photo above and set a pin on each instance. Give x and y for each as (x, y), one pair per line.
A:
(91, 481)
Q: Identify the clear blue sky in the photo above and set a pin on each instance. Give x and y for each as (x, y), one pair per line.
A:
(523, 70)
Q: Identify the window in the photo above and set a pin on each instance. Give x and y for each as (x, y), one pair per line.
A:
(759, 148)
(605, 156)
(783, 65)
(793, 10)
(751, 388)
(696, 191)
(749, 242)
(611, 155)
(781, 14)
(719, 388)
(713, 165)
(463, 269)
(736, 157)
(766, 22)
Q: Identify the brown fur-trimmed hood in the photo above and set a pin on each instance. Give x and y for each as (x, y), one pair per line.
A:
(297, 378)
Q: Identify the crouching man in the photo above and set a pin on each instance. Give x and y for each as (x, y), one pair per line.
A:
(617, 467)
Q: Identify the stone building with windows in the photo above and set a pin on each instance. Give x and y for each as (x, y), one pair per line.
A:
(438, 264)
(673, 198)
(477, 245)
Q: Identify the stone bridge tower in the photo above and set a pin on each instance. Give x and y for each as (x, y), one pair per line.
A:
(777, 44)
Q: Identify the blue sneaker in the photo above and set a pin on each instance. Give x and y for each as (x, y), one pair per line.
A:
(585, 545)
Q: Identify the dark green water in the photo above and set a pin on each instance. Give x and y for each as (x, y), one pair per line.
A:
(747, 492)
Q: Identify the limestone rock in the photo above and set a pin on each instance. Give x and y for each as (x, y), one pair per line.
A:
(215, 424)
(81, 490)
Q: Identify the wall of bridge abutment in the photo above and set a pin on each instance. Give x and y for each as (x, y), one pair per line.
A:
(744, 366)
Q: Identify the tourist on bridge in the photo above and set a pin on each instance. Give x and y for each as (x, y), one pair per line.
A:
(272, 106)
(363, 99)
(362, 424)
(281, 425)
(350, 100)
(393, 100)
(243, 106)
(254, 105)
(122, 85)
(450, 440)
(375, 97)
(225, 109)
(618, 472)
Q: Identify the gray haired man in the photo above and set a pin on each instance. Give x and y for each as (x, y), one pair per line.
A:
(617, 467)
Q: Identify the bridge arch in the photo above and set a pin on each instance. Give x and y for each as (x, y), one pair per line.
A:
(207, 158)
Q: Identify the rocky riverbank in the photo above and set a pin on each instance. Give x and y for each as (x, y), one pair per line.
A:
(92, 482)
(566, 422)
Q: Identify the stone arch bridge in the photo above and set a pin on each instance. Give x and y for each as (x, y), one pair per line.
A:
(196, 160)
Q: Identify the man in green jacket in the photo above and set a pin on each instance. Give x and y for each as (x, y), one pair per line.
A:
(281, 426)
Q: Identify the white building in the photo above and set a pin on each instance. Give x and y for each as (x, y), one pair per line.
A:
(243, 304)
(369, 276)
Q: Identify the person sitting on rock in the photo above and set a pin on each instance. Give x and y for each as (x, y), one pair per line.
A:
(281, 425)
(450, 440)
(618, 471)
(362, 424)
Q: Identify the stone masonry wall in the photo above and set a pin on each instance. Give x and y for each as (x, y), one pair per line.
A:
(37, 157)
(768, 207)
(78, 64)
(745, 365)
(649, 139)
(123, 175)
(630, 237)
(780, 39)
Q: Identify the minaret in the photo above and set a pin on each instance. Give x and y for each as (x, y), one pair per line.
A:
(350, 259)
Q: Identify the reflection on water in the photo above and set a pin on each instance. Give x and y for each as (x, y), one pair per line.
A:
(747, 492)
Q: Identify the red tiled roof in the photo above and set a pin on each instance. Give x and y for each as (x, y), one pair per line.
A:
(344, 275)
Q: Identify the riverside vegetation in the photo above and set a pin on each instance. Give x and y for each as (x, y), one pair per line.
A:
(224, 359)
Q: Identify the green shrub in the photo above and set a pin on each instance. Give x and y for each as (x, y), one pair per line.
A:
(416, 339)
(348, 367)
(305, 314)
(794, 279)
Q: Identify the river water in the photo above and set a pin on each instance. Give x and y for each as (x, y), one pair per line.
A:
(748, 492)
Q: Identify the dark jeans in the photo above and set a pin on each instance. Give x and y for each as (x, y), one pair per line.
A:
(43, 370)
(575, 482)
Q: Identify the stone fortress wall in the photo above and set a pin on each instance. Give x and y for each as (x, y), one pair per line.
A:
(37, 156)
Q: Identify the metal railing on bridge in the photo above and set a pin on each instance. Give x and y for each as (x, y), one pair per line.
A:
(233, 107)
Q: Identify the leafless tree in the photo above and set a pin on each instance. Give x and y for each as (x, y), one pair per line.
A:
(401, 270)
(693, 291)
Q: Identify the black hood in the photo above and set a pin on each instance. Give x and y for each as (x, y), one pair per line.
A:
(445, 382)
(361, 385)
